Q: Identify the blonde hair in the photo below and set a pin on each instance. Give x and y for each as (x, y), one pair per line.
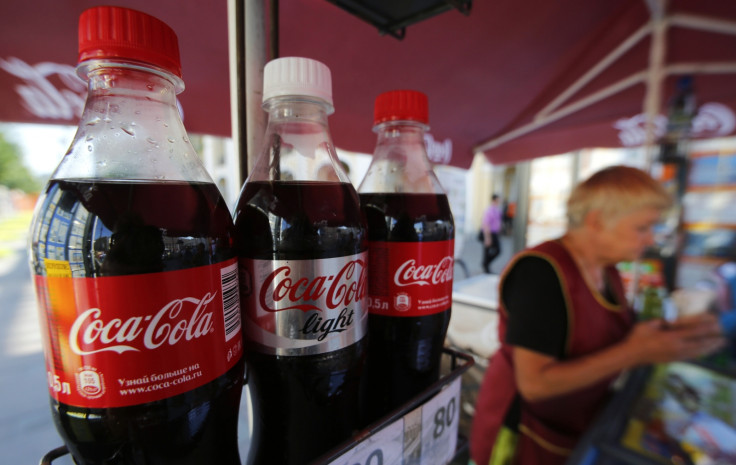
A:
(615, 191)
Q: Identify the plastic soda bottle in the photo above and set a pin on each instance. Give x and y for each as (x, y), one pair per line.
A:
(302, 247)
(134, 268)
(411, 255)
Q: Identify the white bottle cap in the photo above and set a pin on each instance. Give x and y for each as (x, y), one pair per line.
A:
(297, 76)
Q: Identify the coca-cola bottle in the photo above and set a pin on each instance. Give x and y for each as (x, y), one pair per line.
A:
(411, 248)
(300, 240)
(134, 267)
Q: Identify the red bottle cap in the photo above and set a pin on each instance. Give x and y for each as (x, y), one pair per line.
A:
(115, 32)
(401, 105)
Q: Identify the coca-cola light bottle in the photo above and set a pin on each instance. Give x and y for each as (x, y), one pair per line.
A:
(301, 243)
(411, 249)
(135, 272)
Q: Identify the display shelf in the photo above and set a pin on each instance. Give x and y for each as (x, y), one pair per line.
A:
(402, 433)
(680, 412)
(409, 433)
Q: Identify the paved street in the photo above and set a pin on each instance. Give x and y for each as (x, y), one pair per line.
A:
(26, 430)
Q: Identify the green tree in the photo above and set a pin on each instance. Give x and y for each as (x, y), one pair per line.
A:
(13, 173)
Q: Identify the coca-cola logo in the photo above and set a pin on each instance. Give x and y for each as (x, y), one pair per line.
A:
(409, 273)
(168, 326)
(280, 292)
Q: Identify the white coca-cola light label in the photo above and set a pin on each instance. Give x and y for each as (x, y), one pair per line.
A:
(302, 307)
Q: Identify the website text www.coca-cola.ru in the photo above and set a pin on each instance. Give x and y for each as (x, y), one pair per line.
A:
(149, 383)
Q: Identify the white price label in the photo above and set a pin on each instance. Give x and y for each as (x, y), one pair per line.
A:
(440, 418)
(382, 448)
(425, 436)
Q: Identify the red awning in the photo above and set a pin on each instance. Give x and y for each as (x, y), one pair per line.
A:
(38, 53)
(490, 76)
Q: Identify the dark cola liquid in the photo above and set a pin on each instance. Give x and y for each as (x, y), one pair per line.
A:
(404, 352)
(302, 405)
(107, 228)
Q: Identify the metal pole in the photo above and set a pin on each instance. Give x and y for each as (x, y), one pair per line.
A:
(657, 53)
(274, 31)
(521, 217)
(255, 60)
(236, 58)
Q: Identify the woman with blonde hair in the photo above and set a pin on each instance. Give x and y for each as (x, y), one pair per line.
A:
(566, 329)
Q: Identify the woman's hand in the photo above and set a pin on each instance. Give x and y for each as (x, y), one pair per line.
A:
(540, 376)
(657, 341)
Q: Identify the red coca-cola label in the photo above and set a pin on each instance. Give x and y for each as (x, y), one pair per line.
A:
(127, 340)
(302, 307)
(410, 279)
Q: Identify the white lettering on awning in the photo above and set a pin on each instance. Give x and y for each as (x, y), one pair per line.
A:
(40, 96)
(712, 120)
(438, 152)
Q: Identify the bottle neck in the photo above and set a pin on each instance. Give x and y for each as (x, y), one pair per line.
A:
(297, 143)
(130, 83)
(400, 163)
(297, 110)
(130, 127)
(408, 135)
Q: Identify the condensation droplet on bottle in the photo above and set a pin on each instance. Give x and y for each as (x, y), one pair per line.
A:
(149, 86)
(102, 164)
(93, 121)
(185, 139)
(170, 139)
(107, 120)
(152, 142)
(137, 112)
(128, 129)
(89, 137)
(90, 147)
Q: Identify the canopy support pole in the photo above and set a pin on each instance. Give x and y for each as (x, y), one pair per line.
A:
(657, 52)
(596, 70)
(703, 23)
(653, 77)
(236, 57)
(255, 60)
(521, 217)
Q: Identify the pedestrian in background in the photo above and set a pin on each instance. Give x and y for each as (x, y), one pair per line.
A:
(567, 331)
(491, 227)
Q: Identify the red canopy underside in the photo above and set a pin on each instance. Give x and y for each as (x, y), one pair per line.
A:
(486, 74)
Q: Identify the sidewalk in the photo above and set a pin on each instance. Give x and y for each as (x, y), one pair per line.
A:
(26, 429)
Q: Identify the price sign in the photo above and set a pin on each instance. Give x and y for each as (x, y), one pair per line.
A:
(440, 418)
(383, 448)
(425, 436)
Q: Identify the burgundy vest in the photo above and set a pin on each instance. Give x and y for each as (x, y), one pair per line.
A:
(550, 429)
